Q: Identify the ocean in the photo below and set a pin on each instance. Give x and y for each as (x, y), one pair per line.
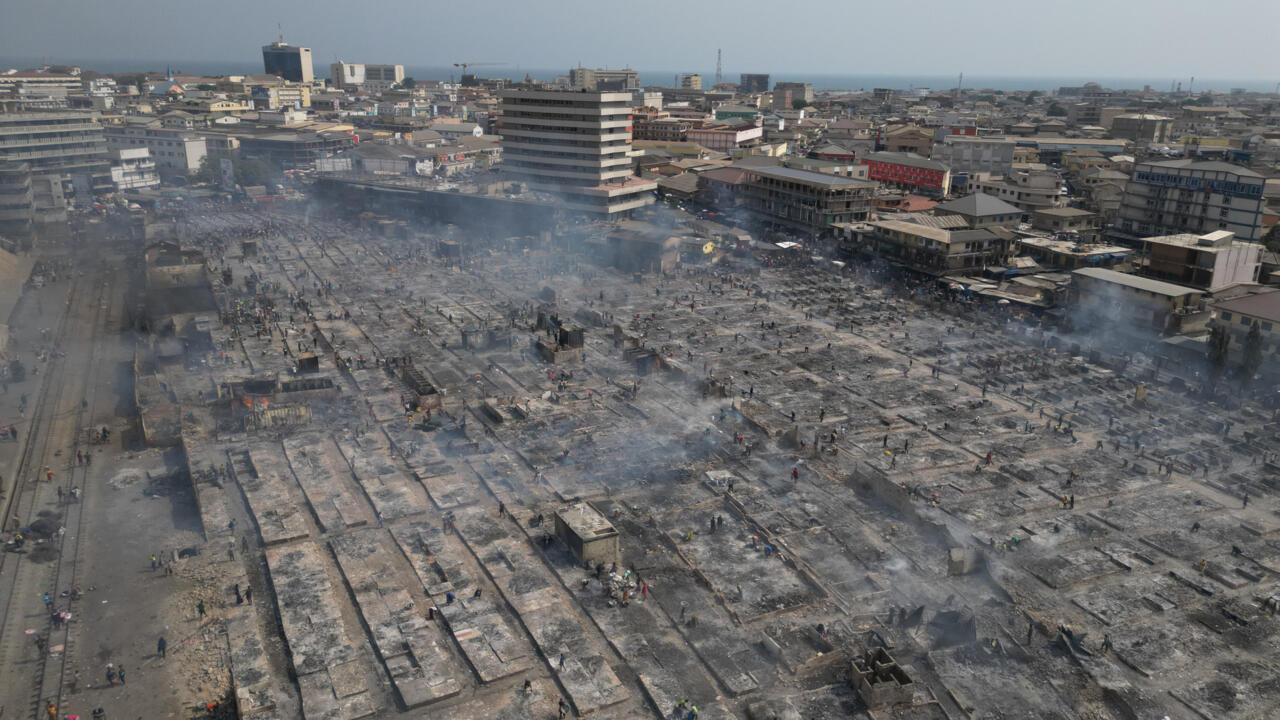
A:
(821, 81)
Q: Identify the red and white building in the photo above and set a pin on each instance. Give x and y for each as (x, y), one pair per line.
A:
(725, 138)
(908, 171)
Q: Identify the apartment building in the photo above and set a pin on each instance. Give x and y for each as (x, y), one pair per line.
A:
(803, 201)
(575, 144)
(1082, 223)
(1028, 190)
(1238, 316)
(1209, 262)
(691, 81)
(725, 138)
(1131, 302)
(908, 171)
(1190, 196)
(175, 151)
(936, 250)
(133, 169)
(965, 154)
(67, 144)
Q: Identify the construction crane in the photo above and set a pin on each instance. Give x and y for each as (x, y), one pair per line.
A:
(465, 65)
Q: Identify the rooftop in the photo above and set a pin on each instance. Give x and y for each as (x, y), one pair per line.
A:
(1205, 166)
(1138, 283)
(978, 205)
(1264, 306)
(813, 178)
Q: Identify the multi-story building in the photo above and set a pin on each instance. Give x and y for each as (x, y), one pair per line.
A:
(604, 80)
(1130, 302)
(803, 201)
(1027, 189)
(133, 168)
(691, 81)
(17, 203)
(661, 126)
(274, 97)
(174, 151)
(287, 61)
(980, 210)
(909, 139)
(354, 77)
(1209, 262)
(725, 138)
(576, 144)
(1238, 316)
(37, 82)
(753, 83)
(1081, 223)
(935, 250)
(908, 171)
(790, 93)
(1142, 127)
(68, 144)
(965, 154)
(1177, 196)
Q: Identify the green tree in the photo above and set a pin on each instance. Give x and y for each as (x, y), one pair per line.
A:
(252, 171)
(209, 172)
(1252, 356)
(408, 83)
(798, 104)
(207, 86)
(1219, 352)
(1034, 94)
(1056, 110)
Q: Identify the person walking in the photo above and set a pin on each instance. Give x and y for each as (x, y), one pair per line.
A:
(162, 646)
(120, 672)
(111, 674)
(248, 594)
(200, 608)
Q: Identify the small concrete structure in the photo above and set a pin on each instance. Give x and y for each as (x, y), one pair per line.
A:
(879, 681)
(590, 536)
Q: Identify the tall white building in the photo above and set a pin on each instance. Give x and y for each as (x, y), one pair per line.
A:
(369, 78)
(576, 144)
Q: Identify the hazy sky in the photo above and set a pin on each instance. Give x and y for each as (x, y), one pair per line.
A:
(1103, 38)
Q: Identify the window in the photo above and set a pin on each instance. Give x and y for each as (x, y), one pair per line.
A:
(1266, 327)
(1244, 320)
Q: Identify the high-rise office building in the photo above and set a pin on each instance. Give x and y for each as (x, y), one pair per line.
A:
(691, 81)
(289, 62)
(576, 144)
(753, 83)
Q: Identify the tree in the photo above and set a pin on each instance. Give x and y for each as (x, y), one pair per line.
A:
(206, 86)
(209, 172)
(798, 104)
(1218, 352)
(408, 83)
(252, 171)
(1034, 94)
(1056, 110)
(1252, 357)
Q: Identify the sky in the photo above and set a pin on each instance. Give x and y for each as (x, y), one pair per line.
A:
(1023, 38)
